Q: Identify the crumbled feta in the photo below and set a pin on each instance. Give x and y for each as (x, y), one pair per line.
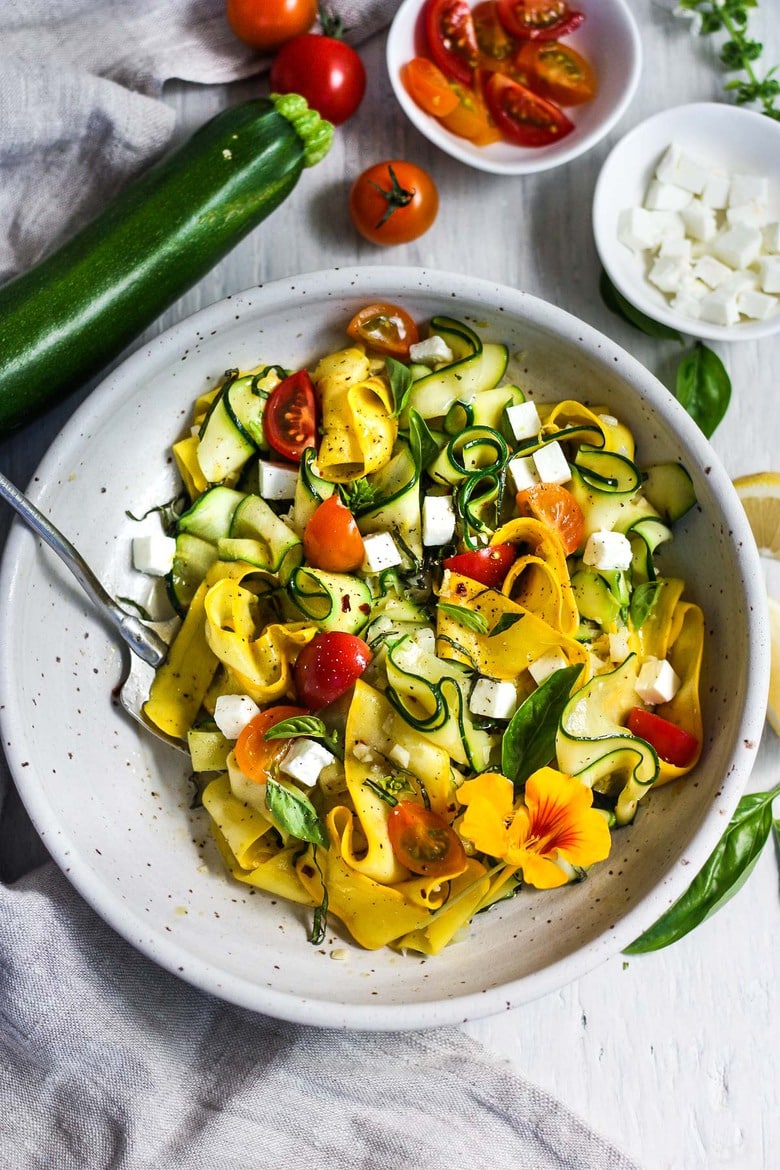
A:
(522, 471)
(619, 648)
(750, 214)
(719, 307)
(523, 418)
(771, 235)
(700, 221)
(638, 229)
(676, 248)
(399, 755)
(438, 520)
(154, 553)
(233, 712)
(431, 351)
(277, 480)
(304, 760)
(657, 681)
(551, 464)
(380, 552)
(545, 665)
(607, 550)
(667, 274)
(493, 699)
(680, 169)
(711, 271)
(716, 191)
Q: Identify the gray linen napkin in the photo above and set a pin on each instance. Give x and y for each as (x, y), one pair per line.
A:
(106, 1060)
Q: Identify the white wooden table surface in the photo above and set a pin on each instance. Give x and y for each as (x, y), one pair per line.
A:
(673, 1056)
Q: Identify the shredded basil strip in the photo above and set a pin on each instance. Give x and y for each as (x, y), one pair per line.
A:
(529, 740)
(470, 618)
(703, 387)
(725, 872)
(320, 917)
(295, 813)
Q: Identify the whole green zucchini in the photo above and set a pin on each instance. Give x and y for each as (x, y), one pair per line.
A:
(71, 314)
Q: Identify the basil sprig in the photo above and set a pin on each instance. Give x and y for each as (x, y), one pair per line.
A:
(529, 740)
(295, 813)
(308, 726)
(472, 619)
(726, 871)
(703, 387)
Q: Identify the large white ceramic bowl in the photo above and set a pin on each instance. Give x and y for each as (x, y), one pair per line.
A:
(722, 137)
(113, 805)
(608, 38)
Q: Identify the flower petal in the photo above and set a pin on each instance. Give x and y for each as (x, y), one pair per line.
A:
(540, 872)
(489, 806)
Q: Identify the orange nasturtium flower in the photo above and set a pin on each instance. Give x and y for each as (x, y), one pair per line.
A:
(557, 820)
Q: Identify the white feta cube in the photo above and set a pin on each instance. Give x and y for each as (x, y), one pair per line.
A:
(304, 760)
(751, 214)
(523, 418)
(438, 520)
(685, 304)
(277, 480)
(739, 282)
(769, 274)
(638, 229)
(666, 197)
(682, 170)
(551, 464)
(710, 271)
(667, 274)
(399, 755)
(546, 664)
(700, 221)
(423, 640)
(719, 307)
(431, 351)
(380, 552)
(619, 648)
(771, 236)
(676, 248)
(233, 712)
(522, 472)
(154, 553)
(607, 550)
(657, 681)
(493, 699)
(739, 246)
(748, 189)
(716, 191)
(756, 305)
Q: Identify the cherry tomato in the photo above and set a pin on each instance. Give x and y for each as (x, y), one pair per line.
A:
(384, 328)
(496, 46)
(451, 38)
(523, 116)
(470, 118)
(557, 72)
(488, 565)
(289, 419)
(256, 755)
(332, 540)
(328, 666)
(428, 87)
(393, 202)
(545, 20)
(267, 24)
(325, 70)
(672, 743)
(556, 507)
(424, 842)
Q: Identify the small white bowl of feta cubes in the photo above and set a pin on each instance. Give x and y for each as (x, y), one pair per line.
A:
(686, 219)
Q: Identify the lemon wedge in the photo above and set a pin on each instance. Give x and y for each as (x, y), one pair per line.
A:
(760, 496)
(773, 703)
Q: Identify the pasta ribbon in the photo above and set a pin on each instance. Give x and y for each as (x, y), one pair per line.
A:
(685, 651)
(539, 578)
(359, 429)
(180, 684)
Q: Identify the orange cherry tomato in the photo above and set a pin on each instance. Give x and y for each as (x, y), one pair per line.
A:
(428, 87)
(470, 118)
(332, 540)
(256, 755)
(556, 507)
(393, 202)
(384, 328)
(557, 72)
(267, 24)
(424, 842)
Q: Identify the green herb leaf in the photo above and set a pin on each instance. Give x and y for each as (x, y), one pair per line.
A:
(617, 303)
(529, 740)
(471, 619)
(727, 869)
(642, 601)
(305, 725)
(401, 382)
(295, 813)
(424, 446)
(505, 622)
(703, 387)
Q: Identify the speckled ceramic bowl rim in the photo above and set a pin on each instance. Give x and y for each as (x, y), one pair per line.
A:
(389, 283)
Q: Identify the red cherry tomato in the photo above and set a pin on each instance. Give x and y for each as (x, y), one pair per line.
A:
(523, 116)
(545, 20)
(557, 72)
(672, 743)
(496, 46)
(289, 419)
(326, 71)
(393, 202)
(488, 565)
(451, 38)
(256, 755)
(267, 24)
(332, 540)
(328, 666)
(424, 842)
(385, 329)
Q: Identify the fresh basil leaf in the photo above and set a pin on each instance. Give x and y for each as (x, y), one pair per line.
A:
(424, 446)
(725, 872)
(297, 725)
(617, 303)
(529, 740)
(505, 622)
(295, 813)
(703, 387)
(470, 618)
(401, 382)
(642, 601)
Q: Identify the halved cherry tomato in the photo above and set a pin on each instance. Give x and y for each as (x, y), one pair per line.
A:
(267, 24)
(557, 72)
(424, 842)
(393, 202)
(289, 419)
(256, 755)
(332, 539)
(328, 666)
(538, 19)
(428, 87)
(384, 328)
(522, 116)
(496, 46)
(488, 565)
(673, 744)
(470, 118)
(451, 39)
(555, 506)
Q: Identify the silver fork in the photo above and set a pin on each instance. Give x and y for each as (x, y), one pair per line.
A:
(148, 649)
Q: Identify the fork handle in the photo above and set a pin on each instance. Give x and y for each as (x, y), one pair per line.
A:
(141, 640)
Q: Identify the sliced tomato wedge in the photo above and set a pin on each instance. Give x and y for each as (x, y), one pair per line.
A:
(522, 116)
(556, 507)
(557, 72)
(496, 46)
(385, 328)
(673, 744)
(290, 416)
(428, 86)
(545, 20)
(488, 565)
(452, 41)
(424, 842)
(470, 118)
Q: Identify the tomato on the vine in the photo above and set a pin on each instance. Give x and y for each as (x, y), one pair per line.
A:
(267, 24)
(428, 87)
(424, 842)
(452, 42)
(557, 72)
(323, 69)
(328, 666)
(393, 202)
(256, 755)
(289, 418)
(488, 565)
(556, 507)
(538, 19)
(384, 328)
(523, 116)
(332, 539)
(673, 744)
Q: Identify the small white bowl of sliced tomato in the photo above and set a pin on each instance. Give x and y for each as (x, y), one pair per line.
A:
(514, 86)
